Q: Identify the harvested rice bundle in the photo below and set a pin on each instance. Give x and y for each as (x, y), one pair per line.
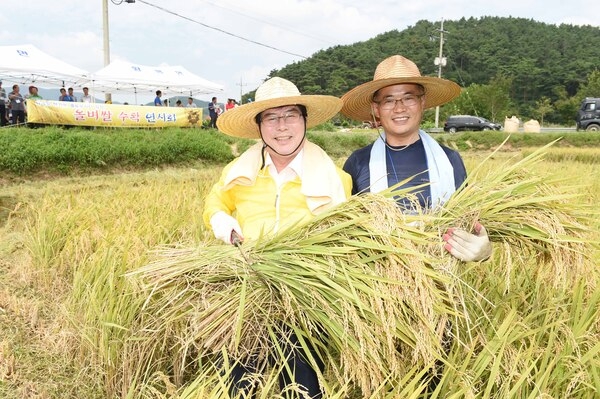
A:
(351, 275)
(535, 219)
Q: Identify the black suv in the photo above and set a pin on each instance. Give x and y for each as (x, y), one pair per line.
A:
(588, 116)
(468, 122)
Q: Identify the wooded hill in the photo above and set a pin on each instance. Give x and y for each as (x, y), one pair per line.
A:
(507, 66)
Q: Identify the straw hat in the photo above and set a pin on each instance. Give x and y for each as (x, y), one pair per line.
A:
(391, 71)
(276, 92)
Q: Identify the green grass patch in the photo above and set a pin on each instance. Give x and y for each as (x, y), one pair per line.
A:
(57, 150)
(24, 151)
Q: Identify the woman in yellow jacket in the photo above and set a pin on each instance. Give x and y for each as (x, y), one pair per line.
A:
(280, 181)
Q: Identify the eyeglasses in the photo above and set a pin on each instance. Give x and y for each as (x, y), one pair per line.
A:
(390, 103)
(289, 118)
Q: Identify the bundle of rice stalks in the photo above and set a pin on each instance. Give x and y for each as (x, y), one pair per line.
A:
(514, 306)
(536, 220)
(352, 284)
(370, 289)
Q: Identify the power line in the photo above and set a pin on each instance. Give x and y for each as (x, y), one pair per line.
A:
(219, 30)
(270, 23)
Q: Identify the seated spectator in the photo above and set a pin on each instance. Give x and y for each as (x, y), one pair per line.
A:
(86, 98)
(64, 96)
(191, 103)
(70, 93)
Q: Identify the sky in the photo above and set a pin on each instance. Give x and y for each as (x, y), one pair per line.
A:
(237, 43)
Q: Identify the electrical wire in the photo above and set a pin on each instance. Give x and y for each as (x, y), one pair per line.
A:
(217, 29)
(331, 43)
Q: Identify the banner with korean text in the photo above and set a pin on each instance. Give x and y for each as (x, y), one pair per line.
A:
(111, 115)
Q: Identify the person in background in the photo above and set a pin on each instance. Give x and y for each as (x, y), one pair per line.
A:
(33, 93)
(17, 106)
(157, 100)
(166, 102)
(279, 182)
(396, 99)
(63, 94)
(230, 104)
(214, 111)
(191, 103)
(70, 93)
(178, 103)
(86, 98)
(3, 100)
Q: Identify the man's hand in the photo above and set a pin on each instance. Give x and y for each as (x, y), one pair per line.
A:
(466, 246)
(223, 225)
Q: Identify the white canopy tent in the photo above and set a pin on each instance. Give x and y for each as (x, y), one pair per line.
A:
(26, 64)
(134, 78)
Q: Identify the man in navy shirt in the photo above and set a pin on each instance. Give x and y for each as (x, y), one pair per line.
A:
(395, 99)
(214, 111)
(157, 100)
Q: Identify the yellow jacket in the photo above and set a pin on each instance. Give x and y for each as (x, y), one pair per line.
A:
(252, 197)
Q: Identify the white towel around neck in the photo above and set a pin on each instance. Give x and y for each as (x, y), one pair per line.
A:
(321, 182)
(441, 172)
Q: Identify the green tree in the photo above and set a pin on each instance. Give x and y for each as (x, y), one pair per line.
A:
(543, 106)
(496, 101)
(491, 100)
(591, 88)
(565, 108)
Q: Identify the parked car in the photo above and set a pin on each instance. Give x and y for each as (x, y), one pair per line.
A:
(588, 115)
(371, 124)
(457, 123)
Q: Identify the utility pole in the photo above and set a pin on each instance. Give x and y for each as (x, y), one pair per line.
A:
(440, 61)
(106, 36)
(241, 88)
(108, 96)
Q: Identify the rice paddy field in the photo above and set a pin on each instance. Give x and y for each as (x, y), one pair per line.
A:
(111, 287)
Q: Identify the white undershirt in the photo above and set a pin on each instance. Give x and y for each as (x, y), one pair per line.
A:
(289, 173)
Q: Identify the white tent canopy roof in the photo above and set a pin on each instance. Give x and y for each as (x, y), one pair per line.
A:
(125, 76)
(27, 64)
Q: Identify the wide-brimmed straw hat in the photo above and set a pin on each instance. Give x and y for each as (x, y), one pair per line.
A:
(276, 92)
(391, 71)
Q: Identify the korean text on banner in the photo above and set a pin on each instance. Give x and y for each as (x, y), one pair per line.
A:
(111, 115)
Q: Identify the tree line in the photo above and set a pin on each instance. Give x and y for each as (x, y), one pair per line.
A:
(506, 66)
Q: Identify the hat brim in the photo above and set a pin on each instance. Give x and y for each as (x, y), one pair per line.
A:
(240, 121)
(357, 102)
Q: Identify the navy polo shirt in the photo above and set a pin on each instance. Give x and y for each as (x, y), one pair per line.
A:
(402, 163)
